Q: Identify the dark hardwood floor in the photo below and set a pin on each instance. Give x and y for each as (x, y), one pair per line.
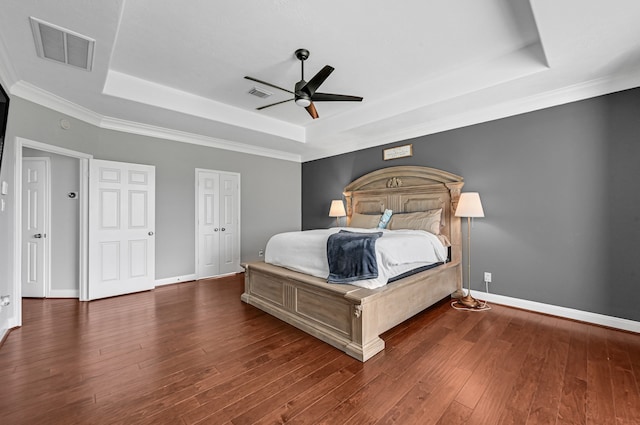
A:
(194, 353)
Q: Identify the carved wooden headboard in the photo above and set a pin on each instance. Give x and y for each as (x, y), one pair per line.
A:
(409, 189)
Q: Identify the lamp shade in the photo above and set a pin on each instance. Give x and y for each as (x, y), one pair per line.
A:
(469, 205)
(337, 209)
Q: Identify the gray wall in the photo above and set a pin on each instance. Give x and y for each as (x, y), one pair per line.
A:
(263, 180)
(65, 218)
(558, 187)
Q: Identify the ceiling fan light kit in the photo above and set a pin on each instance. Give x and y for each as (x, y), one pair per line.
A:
(304, 93)
(303, 101)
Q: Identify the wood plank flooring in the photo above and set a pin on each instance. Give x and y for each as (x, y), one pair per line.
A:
(193, 353)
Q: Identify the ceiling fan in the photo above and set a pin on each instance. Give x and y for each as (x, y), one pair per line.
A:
(304, 93)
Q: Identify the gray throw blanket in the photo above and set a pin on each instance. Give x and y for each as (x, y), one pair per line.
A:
(352, 256)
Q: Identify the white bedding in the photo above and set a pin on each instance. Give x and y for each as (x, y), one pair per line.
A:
(397, 252)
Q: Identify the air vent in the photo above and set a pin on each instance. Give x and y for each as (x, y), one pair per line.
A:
(259, 92)
(61, 45)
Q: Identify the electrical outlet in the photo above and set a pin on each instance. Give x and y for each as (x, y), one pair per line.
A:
(261, 253)
(487, 277)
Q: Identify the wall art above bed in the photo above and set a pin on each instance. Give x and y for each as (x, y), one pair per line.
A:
(397, 152)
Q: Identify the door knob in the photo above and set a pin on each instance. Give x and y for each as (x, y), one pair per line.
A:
(150, 233)
(215, 230)
(38, 235)
(223, 229)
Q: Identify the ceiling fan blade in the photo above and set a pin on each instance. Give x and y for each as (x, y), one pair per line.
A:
(317, 79)
(311, 109)
(274, 104)
(327, 97)
(267, 84)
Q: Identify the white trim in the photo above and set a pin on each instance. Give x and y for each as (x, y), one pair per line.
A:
(63, 293)
(17, 234)
(538, 101)
(240, 269)
(26, 143)
(83, 272)
(194, 139)
(187, 278)
(547, 99)
(554, 310)
(50, 232)
(218, 276)
(176, 279)
(49, 100)
(196, 257)
(41, 97)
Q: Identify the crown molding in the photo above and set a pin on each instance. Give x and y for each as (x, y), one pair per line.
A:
(350, 142)
(195, 139)
(538, 101)
(49, 100)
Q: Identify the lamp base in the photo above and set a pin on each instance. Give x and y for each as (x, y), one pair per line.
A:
(469, 301)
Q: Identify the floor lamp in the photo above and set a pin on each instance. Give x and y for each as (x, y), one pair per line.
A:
(469, 205)
(337, 210)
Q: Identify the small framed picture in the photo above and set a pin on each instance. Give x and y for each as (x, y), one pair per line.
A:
(397, 152)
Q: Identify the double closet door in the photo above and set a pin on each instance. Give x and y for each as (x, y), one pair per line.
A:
(218, 226)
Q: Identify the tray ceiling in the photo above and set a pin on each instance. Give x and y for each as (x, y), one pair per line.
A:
(175, 69)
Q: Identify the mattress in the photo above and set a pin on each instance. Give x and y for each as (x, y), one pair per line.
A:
(397, 252)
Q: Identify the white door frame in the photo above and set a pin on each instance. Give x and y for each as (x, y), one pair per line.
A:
(197, 217)
(83, 224)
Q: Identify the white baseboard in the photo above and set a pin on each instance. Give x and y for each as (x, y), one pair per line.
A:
(64, 293)
(6, 327)
(176, 279)
(554, 310)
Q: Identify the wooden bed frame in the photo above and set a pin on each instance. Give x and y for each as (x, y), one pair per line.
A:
(349, 317)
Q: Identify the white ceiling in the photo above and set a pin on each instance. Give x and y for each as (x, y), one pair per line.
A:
(175, 69)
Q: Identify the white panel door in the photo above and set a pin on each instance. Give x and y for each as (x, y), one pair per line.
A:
(218, 229)
(121, 228)
(209, 224)
(35, 255)
(229, 240)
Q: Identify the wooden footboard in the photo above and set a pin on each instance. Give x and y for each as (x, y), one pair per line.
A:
(348, 317)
